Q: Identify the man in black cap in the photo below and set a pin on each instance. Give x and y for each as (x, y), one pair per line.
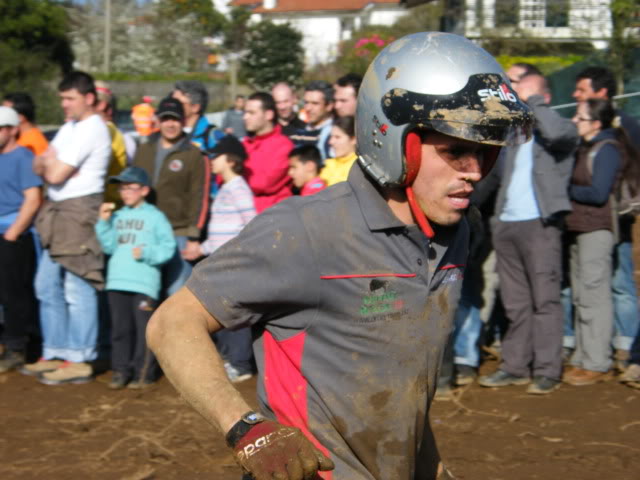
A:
(180, 178)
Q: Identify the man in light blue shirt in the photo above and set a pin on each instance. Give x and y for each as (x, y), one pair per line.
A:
(527, 237)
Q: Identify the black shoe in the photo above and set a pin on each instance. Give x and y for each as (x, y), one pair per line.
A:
(10, 360)
(465, 374)
(500, 378)
(543, 385)
(118, 381)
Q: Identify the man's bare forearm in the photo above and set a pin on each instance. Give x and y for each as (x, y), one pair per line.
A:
(179, 335)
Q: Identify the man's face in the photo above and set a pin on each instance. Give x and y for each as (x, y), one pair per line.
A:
(239, 104)
(7, 135)
(345, 101)
(584, 91)
(75, 105)
(170, 128)
(256, 119)
(285, 100)
(299, 171)
(317, 109)
(191, 110)
(514, 74)
(444, 183)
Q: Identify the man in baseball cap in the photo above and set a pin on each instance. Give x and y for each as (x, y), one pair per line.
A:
(8, 117)
(20, 198)
(179, 176)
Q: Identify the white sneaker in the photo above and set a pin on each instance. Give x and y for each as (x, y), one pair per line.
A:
(234, 375)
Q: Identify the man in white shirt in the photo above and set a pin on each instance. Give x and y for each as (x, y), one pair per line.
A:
(70, 271)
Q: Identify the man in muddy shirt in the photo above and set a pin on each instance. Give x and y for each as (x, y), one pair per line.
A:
(351, 292)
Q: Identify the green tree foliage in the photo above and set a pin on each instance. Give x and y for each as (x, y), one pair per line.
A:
(236, 29)
(625, 37)
(274, 54)
(34, 50)
(205, 17)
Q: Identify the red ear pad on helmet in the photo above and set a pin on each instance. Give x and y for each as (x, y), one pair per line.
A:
(412, 155)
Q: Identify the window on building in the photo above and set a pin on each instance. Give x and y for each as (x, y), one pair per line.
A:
(507, 13)
(557, 13)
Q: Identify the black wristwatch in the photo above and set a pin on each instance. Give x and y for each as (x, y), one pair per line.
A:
(243, 425)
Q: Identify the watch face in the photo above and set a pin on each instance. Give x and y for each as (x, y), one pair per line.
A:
(252, 418)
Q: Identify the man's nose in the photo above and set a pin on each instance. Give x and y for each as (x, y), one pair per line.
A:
(472, 167)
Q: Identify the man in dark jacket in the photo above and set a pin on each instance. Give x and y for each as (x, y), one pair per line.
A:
(527, 238)
(180, 177)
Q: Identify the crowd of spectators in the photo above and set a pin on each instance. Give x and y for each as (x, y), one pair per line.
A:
(98, 227)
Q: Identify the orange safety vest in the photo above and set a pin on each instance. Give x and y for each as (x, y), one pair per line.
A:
(142, 115)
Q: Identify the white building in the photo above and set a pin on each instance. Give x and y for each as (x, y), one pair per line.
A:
(553, 20)
(324, 23)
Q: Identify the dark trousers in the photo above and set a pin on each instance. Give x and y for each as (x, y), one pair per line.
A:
(130, 313)
(17, 297)
(530, 268)
(635, 350)
(235, 346)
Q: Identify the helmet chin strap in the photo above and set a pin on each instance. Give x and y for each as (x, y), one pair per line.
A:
(413, 157)
(418, 214)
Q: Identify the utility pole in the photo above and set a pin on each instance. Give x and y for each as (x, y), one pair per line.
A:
(106, 66)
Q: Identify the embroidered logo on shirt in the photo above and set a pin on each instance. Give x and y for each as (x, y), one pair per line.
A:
(382, 302)
(176, 165)
(453, 276)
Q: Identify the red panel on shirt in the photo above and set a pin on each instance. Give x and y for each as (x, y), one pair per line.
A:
(286, 387)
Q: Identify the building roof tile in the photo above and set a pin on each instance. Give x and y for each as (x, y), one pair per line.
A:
(311, 5)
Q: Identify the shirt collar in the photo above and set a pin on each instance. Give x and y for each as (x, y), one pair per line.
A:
(373, 205)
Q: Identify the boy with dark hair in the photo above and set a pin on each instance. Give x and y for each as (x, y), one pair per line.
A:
(304, 165)
(139, 239)
(30, 136)
(232, 210)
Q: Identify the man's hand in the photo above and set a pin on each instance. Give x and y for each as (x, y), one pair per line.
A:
(272, 451)
(106, 210)
(191, 251)
(10, 235)
(137, 252)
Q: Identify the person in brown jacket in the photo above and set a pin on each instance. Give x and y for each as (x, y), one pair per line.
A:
(180, 179)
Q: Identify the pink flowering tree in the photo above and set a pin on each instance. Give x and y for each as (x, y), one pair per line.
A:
(356, 54)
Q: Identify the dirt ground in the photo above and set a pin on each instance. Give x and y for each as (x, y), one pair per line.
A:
(90, 432)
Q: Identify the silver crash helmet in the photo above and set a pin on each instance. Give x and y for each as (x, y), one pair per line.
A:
(433, 81)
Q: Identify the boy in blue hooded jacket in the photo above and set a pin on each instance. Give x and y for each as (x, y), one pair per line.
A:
(139, 239)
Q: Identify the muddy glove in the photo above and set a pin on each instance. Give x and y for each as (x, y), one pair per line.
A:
(270, 451)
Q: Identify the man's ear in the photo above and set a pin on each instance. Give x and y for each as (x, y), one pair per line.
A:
(199, 107)
(602, 93)
(271, 115)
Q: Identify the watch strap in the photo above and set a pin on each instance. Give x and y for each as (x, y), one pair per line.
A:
(241, 427)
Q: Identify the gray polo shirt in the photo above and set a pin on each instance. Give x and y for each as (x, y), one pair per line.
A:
(351, 310)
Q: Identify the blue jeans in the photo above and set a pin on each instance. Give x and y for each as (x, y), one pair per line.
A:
(625, 299)
(569, 338)
(467, 328)
(68, 313)
(235, 346)
(177, 270)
